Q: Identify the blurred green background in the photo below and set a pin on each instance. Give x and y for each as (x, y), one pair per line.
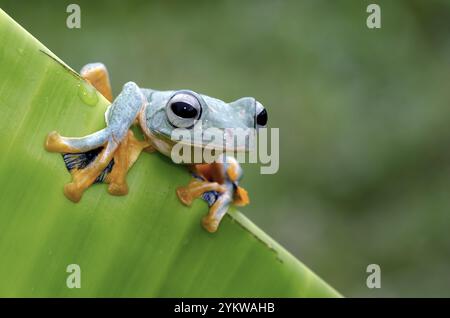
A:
(364, 116)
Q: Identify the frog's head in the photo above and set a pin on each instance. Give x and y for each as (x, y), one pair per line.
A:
(170, 110)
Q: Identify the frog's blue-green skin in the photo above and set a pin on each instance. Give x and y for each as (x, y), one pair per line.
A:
(158, 123)
(152, 106)
(114, 149)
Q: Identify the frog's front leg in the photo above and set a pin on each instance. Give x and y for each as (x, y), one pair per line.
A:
(216, 212)
(120, 116)
(196, 188)
(221, 177)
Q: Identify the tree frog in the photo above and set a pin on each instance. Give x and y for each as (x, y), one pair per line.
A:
(108, 154)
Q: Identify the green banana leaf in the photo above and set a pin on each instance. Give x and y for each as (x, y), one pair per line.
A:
(145, 244)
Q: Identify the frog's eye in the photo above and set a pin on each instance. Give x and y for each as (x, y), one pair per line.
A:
(261, 116)
(183, 110)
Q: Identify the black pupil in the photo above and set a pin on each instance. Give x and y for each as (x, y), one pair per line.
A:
(184, 110)
(261, 119)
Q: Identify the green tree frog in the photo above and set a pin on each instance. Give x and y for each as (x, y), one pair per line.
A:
(108, 154)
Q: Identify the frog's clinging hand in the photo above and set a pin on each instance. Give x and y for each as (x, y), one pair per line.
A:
(108, 154)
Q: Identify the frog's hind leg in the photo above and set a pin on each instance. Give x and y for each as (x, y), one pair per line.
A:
(120, 116)
(105, 165)
(97, 75)
(130, 148)
(83, 178)
(125, 156)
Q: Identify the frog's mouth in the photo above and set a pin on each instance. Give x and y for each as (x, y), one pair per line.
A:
(222, 139)
(228, 142)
